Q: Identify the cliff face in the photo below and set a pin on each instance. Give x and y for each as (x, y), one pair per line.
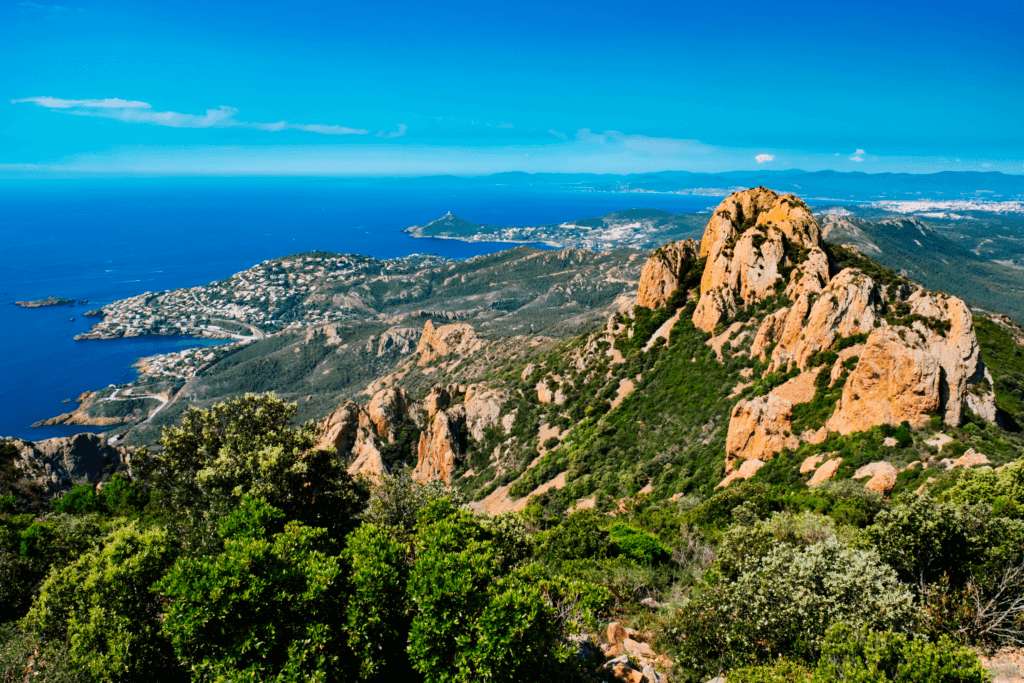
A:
(663, 272)
(904, 354)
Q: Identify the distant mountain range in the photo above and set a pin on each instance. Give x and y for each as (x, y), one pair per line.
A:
(809, 185)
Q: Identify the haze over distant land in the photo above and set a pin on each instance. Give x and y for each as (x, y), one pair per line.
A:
(461, 89)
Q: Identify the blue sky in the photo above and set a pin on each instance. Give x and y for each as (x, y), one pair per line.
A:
(195, 88)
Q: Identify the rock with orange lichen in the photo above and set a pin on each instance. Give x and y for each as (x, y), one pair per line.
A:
(745, 471)
(896, 379)
(810, 462)
(387, 408)
(350, 431)
(845, 308)
(662, 273)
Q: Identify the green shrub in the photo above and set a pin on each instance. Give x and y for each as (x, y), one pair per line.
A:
(378, 612)
(80, 500)
(779, 671)
(101, 607)
(782, 604)
(578, 537)
(268, 607)
(863, 656)
(637, 545)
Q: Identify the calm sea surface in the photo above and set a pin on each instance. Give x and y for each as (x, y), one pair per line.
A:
(104, 240)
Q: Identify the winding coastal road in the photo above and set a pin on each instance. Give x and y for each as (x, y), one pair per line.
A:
(257, 333)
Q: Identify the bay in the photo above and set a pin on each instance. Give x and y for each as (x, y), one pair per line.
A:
(106, 239)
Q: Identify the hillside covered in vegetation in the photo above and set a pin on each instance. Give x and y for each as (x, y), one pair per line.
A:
(780, 461)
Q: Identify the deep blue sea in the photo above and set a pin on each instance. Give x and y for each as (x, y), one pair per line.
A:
(104, 240)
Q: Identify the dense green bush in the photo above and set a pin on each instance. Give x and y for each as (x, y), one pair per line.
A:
(247, 446)
(269, 607)
(101, 610)
(578, 537)
(637, 545)
(863, 656)
(783, 603)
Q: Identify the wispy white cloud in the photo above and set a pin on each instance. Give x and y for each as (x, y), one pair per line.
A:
(133, 111)
(764, 158)
(49, 10)
(558, 134)
(395, 133)
(505, 125)
(109, 103)
(636, 143)
(857, 158)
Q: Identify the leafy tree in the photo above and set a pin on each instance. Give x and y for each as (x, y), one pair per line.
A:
(379, 615)
(269, 607)
(924, 539)
(1003, 490)
(101, 607)
(248, 446)
(123, 496)
(80, 500)
(471, 623)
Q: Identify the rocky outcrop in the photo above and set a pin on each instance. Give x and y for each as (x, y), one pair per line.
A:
(386, 409)
(758, 429)
(58, 464)
(846, 307)
(664, 271)
(756, 241)
(482, 409)
(401, 340)
(438, 450)
(350, 431)
(437, 400)
(896, 379)
(825, 472)
(458, 338)
(745, 471)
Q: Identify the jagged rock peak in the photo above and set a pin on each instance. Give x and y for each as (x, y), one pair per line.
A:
(438, 450)
(664, 270)
(756, 243)
(437, 342)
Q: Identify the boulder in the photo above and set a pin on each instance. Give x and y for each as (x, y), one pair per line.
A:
(883, 476)
(896, 379)
(386, 409)
(825, 472)
(745, 471)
